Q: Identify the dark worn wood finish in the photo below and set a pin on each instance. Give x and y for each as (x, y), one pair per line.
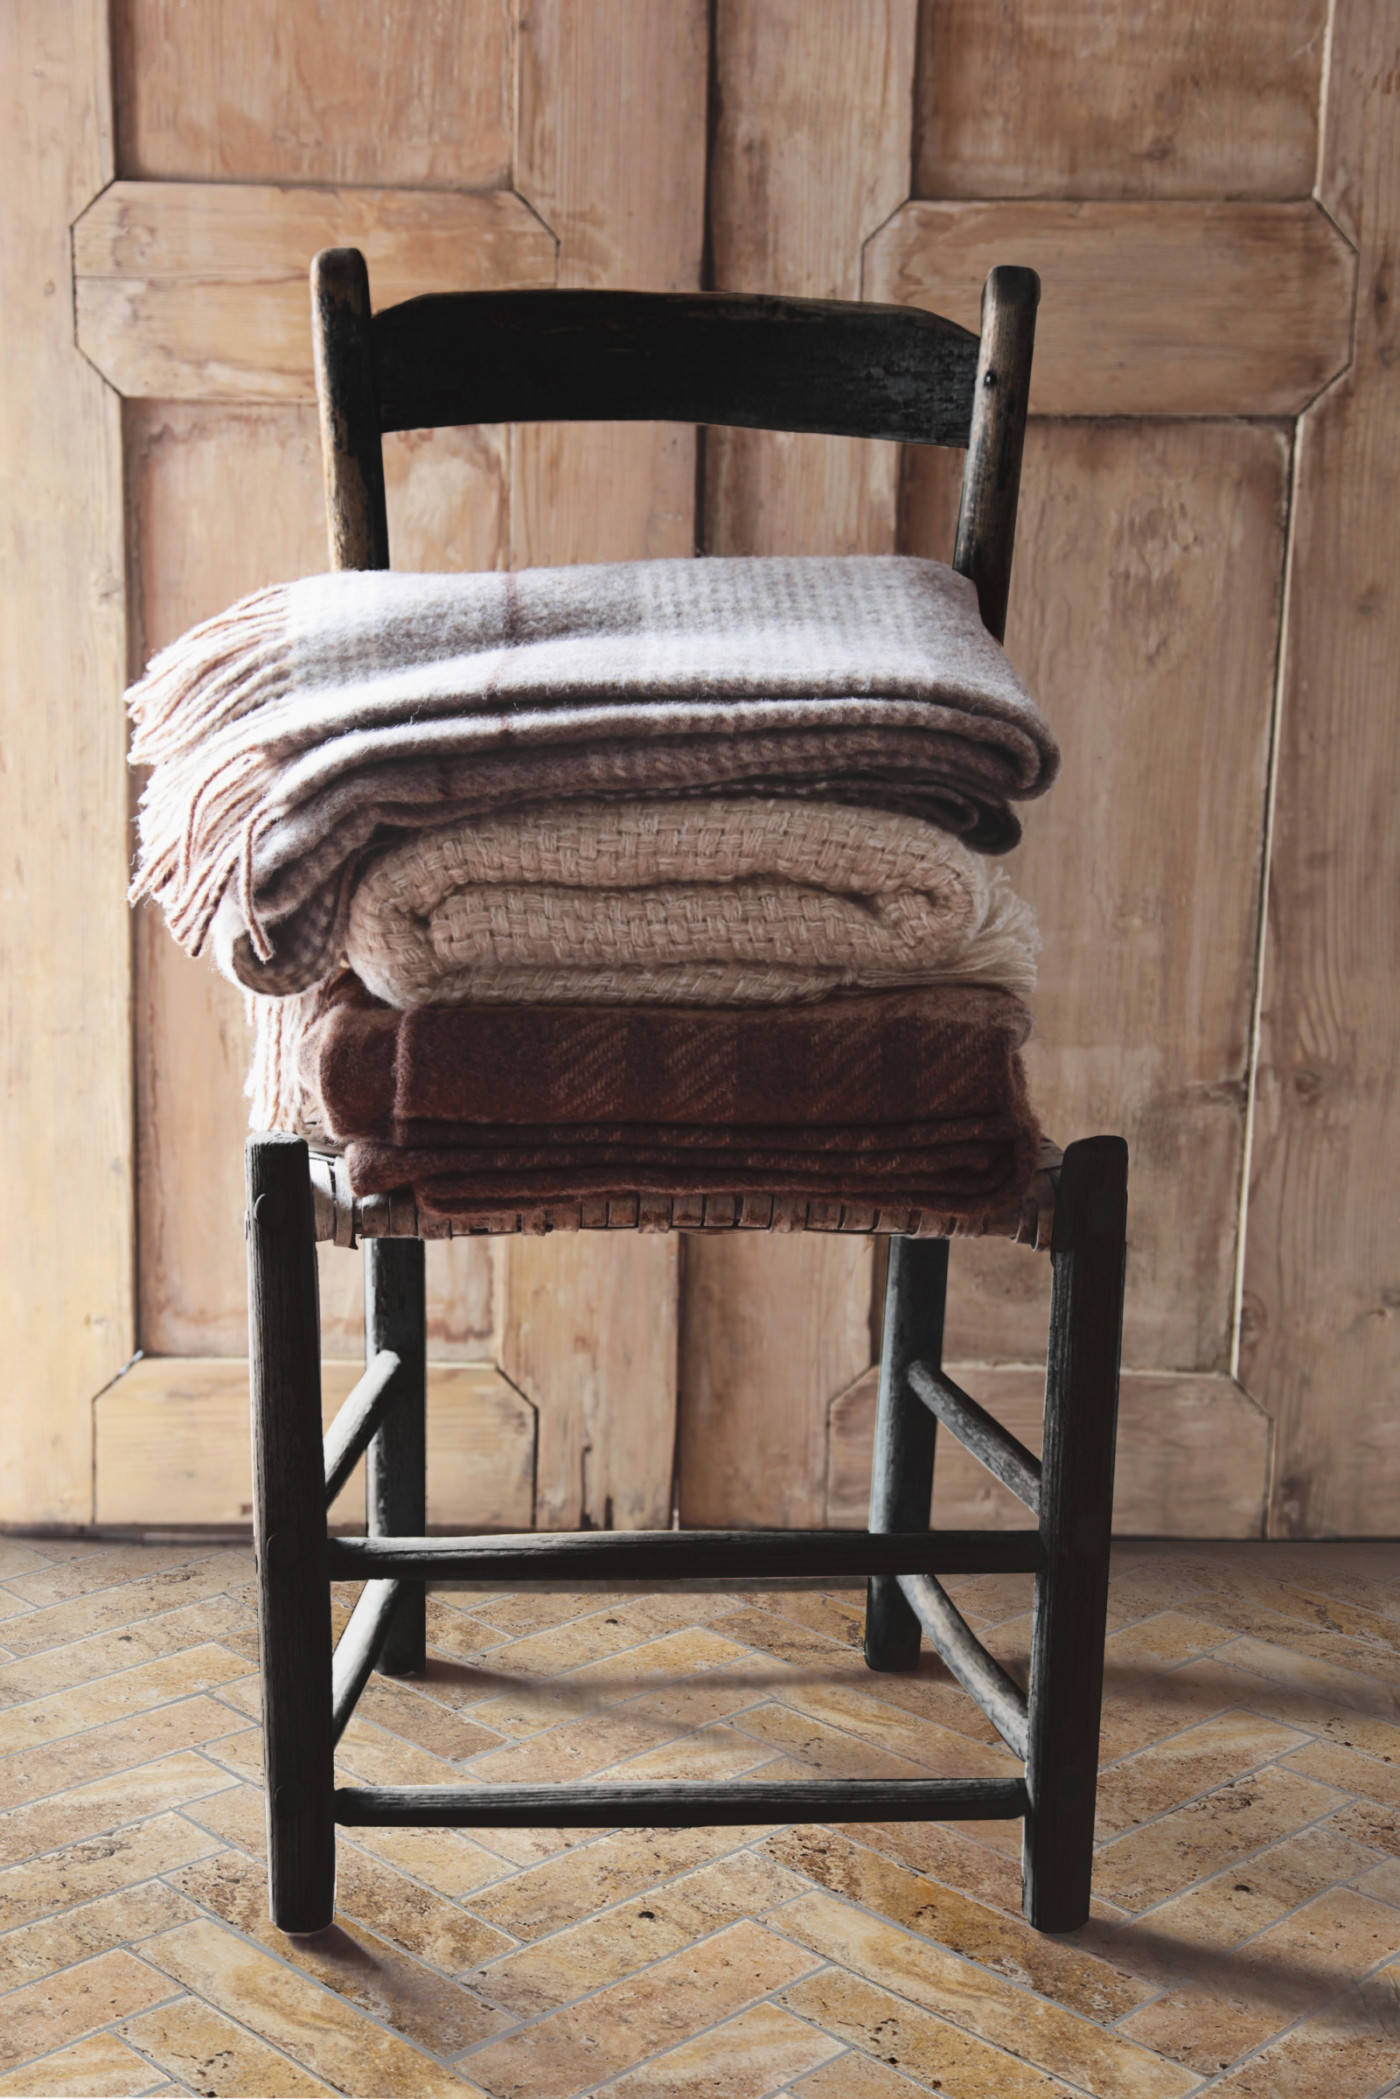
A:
(1076, 1507)
(396, 1473)
(992, 470)
(357, 1418)
(901, 1478)
(358, 1647)
(683, 357)
(980, 1674)
(645, 1556)
(681, 1806)
(289, 1530)
(981, 1433)
(352, 453)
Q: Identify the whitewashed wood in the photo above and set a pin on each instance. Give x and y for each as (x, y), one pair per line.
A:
(1321, 1342)
(297, 91)
(1201, 309)
(172, 1445)
(1193, 1455)
(1088, 98)
(198, 291)
(1144, 616)
(191, 468)
(66, 1296)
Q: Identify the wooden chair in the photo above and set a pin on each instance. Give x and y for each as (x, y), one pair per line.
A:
(864, 371)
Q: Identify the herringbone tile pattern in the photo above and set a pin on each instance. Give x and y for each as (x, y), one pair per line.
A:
(1245, 1941)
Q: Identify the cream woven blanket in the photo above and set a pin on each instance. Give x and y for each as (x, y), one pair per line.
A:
(759, 902)
(319, 722)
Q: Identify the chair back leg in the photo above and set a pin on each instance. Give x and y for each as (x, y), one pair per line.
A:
(289, 1530)
(1088, 1253)
(901, 1482)
(397, 1459)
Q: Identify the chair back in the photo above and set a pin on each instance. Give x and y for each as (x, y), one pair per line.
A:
(847, 369)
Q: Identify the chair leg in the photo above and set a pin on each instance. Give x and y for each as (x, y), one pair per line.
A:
(289, 1522)
(397, 1464)
(901, 1482)
(1076, 1507)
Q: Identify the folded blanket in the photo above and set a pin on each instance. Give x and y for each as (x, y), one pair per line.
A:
(321, 720)
(912, 1098)
(683, 903)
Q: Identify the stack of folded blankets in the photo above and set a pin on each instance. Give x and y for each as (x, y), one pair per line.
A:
(666, 880)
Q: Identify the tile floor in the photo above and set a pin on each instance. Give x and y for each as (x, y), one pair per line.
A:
(1245, 1941)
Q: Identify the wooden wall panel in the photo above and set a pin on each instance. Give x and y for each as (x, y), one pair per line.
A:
(1144, 615)
(1321, 1340)
(221, 501)
(1193, 1456)
(1088, 98)
(66, 1251)
(356, 91)
(811, 153)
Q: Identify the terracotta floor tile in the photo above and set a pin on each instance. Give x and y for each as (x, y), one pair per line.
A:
(903, 2037)
(743, 2058)
(318, 2029)
(40, 2018)
(208, 2052)
(160, 1682)
(98, 1866)
(610, 1869)
(571, 2051)
(400, 1709)
(101, 2065)
(133, 1607)
(1197, 1760)
(1053, 1968)
(118, 1746)
(945, 1855)
(982, 2003)
(447, 1860)
(1347, 2051)
(32, 1951)
(1301, 1963)
(1349, 1771)
(1148, 1864)
(368, 1968)
(106, 1804)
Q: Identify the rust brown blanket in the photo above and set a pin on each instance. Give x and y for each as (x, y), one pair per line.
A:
(912, 1097)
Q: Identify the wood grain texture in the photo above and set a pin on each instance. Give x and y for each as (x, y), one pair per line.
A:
(1144, 615)
(1193, 1455)
(810, 154)
(172, 1445)
(1319, 1344)
(190, 469)
(1202, 309)
(66, 1300)
(266, 91)
(610, 151)
(198, 290)
(1087, 98)
(588, 1336)
(772, 1329)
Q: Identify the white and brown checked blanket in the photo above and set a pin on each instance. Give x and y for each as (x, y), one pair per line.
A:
(320, 722)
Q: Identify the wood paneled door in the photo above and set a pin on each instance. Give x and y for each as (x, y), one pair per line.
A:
(1204, 601)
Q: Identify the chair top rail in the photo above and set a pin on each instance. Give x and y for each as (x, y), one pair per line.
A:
(749, 361)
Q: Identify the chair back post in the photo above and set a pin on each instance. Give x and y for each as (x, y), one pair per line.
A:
(352, 448)
(992, 469)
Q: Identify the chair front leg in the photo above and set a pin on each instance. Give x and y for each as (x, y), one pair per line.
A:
(396, 1317)
(901, 1480)
(1088, 1254)
(289, 1527)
